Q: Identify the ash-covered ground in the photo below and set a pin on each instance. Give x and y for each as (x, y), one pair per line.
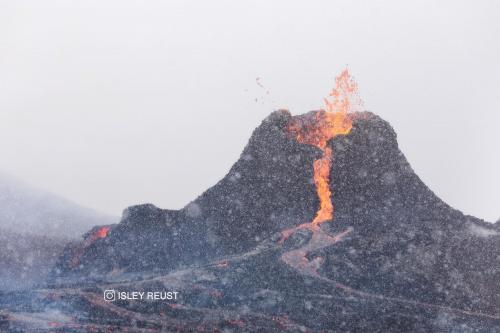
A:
(395, 258)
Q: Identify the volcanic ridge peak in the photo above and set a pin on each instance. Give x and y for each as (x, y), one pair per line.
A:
(269, 190)
(392, 244)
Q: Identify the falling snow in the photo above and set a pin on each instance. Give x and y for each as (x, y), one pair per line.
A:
(392, 257)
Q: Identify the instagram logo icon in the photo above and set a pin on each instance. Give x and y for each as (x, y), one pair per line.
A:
(109, 295)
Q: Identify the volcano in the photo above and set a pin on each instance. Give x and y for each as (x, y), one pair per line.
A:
(332, 235)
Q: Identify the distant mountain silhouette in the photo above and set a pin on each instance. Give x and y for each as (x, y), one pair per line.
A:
(25, 209)
(26, 259)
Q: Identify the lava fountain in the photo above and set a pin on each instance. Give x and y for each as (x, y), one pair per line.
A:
(317, 129)
(324, 125)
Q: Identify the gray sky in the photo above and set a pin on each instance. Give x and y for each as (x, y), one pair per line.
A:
(114, 103)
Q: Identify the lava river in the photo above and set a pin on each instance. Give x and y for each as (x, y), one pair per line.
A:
(317, 129)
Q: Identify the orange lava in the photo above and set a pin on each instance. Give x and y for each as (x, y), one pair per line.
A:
(100, 233)
(321, 177)
(92, 238)
(325, 125)
(299, 258)
(317, 129)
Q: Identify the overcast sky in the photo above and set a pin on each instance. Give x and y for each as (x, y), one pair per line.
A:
(114, 103)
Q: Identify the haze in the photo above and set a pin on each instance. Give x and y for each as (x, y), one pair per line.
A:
(115, 103)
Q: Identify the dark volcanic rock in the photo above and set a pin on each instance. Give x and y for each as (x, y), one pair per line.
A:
(268, 189)
(395, 257)
(406, 241)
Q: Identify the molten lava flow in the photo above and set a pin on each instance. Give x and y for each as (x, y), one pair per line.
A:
(321, 176)
(316, 129)
(323, 126)
(99, 233)
(102, 232)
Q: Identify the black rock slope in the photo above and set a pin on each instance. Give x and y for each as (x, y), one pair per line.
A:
(268, 189)
(395, 258)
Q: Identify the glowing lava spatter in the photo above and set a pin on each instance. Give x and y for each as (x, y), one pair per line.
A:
(325, 125)
(102, 232)
(316, 129)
